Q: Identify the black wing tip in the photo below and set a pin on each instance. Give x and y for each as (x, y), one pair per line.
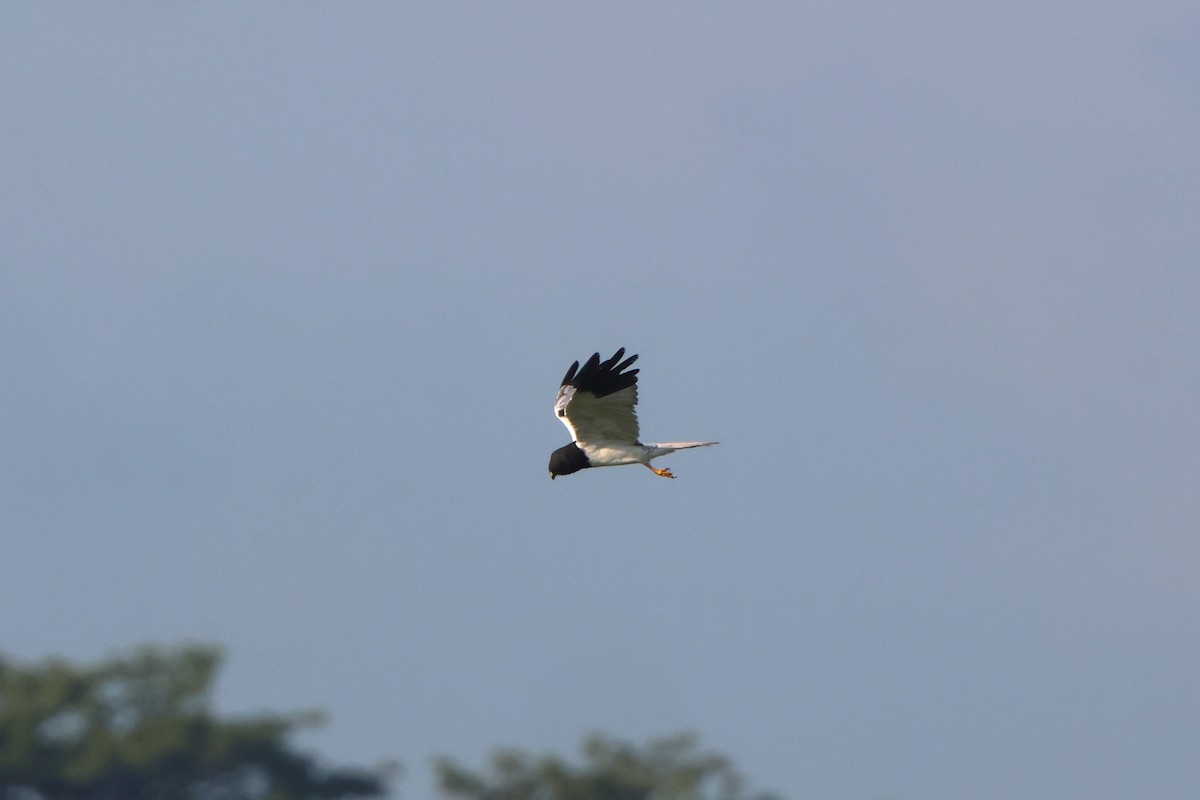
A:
(566, 381)
(602, 378)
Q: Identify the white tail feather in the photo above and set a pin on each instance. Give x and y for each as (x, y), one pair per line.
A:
(672, 446)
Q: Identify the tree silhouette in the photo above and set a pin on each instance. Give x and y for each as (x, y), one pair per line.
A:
(140, 728)
(665, 769)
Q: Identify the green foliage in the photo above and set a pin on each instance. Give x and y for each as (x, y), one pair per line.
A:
(665, 769)
(140, 728)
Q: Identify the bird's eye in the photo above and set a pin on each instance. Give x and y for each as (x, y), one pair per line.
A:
(562, 413)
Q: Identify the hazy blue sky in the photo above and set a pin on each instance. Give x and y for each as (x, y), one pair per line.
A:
(286, 290)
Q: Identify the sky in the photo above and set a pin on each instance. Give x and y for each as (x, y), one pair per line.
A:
(286, 290)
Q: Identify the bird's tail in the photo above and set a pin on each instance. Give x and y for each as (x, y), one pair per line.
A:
(671, 447)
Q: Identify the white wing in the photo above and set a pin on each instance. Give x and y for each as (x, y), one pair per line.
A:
(596, 403)
(593, 419)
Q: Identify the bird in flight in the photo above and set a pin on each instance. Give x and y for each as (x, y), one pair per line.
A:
(596, 404)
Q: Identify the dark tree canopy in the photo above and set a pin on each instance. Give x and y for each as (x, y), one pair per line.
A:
(140, 728)
(665, 769)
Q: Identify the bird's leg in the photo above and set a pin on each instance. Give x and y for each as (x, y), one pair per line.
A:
(662, 473)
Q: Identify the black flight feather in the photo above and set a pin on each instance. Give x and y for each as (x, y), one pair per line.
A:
(566, 381)
(602, 379)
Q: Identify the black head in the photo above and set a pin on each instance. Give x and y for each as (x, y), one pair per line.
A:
(567, 459)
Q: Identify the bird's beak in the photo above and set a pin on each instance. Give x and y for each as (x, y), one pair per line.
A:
(551, 476)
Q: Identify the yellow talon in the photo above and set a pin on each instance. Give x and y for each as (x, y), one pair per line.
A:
(662, 473)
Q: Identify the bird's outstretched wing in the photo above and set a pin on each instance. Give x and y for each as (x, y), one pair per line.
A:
(596, 403)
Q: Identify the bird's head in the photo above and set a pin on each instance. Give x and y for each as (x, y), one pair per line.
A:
(567, 459)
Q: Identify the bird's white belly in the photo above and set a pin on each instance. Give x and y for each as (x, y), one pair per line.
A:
(611, 454)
